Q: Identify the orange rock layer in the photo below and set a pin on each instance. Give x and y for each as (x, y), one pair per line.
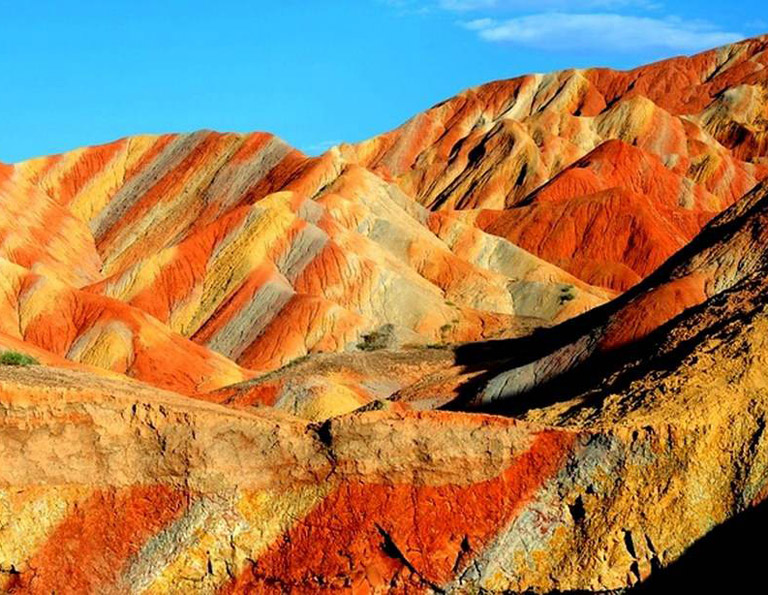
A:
(322, 311)
(697, 125)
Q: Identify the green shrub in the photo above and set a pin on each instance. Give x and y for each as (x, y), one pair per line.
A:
(381, 338)
(14, 358)
(567, 293)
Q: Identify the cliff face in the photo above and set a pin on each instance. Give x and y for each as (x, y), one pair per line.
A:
(517, 344)
(147, 491)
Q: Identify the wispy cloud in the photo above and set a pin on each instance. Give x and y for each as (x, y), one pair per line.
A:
(541, 5)
(516, 6)
(320, 147)
(577, 25)
(564, 31)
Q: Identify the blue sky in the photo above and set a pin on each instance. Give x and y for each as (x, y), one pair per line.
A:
(314, 72)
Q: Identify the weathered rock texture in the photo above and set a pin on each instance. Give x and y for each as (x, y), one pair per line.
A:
(249, 248)
(544, 160)
(519, 344)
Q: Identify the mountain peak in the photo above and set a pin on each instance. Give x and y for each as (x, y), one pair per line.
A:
(516, 344)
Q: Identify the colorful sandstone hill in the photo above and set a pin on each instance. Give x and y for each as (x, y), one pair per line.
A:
(516, 345)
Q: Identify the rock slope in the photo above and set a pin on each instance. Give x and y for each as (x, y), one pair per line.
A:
(516, 345)
(251, 249)
(180, 496)
(698, 126)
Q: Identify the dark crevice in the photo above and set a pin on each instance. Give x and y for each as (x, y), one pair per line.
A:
(521, 176)
(324, 435)
(323, 432)
(577, 510)
(629, 544)
(389, 547)
(456, 149)
(476, 154)
(655, 562)
(462, 555)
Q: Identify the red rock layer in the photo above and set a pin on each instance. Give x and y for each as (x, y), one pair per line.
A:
(611, 218)
(105, 333)
(404, 538)
(698, 124)
(191, 230)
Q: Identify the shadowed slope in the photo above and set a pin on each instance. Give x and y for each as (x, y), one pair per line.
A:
(512, 376)
(728, 251)
(728, 546)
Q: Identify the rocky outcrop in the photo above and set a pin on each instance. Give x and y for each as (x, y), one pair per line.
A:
(698, 125)
(148, 490)
(403, 366)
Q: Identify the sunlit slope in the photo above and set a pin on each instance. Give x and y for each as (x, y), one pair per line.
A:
(701, 118)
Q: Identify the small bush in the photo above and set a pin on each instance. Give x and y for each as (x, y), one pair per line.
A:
(567, 293)
(381, 338)
(14, 358)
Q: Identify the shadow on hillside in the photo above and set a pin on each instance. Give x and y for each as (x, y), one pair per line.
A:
(604, 372)
(729, 559)
(486, 359)
(489, 358)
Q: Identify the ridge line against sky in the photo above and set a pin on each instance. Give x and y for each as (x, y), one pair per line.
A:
(313, 72)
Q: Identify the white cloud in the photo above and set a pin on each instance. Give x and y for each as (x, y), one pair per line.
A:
(320, 147)
(479, 24)
(543, 5)
(599, 31)
(463, 5)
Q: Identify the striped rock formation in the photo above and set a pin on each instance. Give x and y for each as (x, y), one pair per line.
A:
(261, 254)
(511, 376)
(41, 235)
(118, 490)
(514, 376)
(698, 125)
(105, 333)
(402, 366)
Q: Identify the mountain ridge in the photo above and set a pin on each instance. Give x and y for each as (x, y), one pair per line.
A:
(514, 345)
